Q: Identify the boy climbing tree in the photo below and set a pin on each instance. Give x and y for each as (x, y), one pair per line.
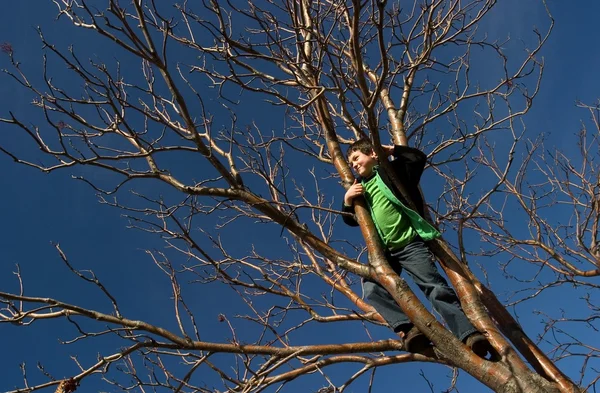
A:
(403, 233)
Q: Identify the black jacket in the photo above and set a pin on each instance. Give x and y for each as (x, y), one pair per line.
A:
(408, 164)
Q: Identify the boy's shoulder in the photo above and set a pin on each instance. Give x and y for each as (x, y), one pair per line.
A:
(408, 152)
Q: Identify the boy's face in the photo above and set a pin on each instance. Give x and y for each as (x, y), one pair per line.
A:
(362, 163)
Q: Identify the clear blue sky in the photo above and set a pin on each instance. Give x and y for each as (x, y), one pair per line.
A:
(42, 208)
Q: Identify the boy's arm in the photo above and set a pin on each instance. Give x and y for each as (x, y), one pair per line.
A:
(409, 155)
(411, 162)
(349, 219)
(355, 190)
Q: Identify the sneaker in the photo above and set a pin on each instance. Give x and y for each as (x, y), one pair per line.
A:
(415, 341)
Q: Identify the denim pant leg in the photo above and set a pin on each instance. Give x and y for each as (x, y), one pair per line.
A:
(378, 297)
(418, 262)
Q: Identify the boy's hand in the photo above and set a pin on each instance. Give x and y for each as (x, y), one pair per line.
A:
(355, 190)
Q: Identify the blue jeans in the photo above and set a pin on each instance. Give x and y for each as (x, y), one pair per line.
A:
(418, 262)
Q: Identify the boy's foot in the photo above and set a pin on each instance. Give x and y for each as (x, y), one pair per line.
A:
(481, 347)
(415, 341)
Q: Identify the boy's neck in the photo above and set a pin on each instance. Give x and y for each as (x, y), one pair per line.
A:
(370, 175)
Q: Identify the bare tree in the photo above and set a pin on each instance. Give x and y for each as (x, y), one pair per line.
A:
(332, 71)
(556, 193)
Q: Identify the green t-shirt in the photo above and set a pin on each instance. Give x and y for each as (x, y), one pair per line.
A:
(394, 226)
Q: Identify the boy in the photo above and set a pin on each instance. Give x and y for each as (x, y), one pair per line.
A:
(403, 232)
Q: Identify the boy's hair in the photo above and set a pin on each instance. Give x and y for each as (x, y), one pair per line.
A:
(363, 145)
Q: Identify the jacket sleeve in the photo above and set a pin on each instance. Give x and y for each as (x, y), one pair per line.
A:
(410, 162)
(349, 220)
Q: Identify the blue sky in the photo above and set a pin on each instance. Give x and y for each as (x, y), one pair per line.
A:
(40, 209)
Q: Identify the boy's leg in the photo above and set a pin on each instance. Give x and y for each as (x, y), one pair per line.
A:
(417, 260)
(382, 301)
(385, 305)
